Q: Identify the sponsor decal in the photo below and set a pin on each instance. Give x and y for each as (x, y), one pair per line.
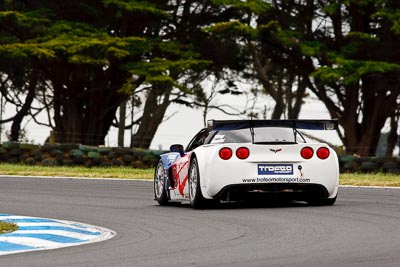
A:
(275, 150)
(276, 180)
(218, 139)
(172, 158)
(272, 169)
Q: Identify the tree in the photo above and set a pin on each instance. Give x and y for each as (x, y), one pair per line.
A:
(186, 27)
(17, 78)
(357, 48)
(345, 52)
(85, 59)
(266, 48)
(92, 54)
(19, 88)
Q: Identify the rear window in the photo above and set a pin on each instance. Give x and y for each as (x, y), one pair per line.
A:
(231, 136)
(261, 135)
(273, 134)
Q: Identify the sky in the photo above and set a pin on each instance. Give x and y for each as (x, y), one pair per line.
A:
(184, 123)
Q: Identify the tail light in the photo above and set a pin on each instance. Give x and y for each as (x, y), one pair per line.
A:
(323, 153)
(307, 152)
(225, 153)
(242, 153)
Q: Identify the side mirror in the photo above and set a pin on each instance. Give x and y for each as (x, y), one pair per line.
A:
(177, 148)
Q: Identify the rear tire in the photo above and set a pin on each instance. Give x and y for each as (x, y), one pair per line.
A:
(322, 201)
(159, 185)
(197, 201)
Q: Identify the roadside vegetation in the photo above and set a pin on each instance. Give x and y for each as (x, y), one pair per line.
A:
(6, 227)
(370, 179)
(94, 172)
(357, 179)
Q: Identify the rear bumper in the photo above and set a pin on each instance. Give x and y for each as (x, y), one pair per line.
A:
(277, 190)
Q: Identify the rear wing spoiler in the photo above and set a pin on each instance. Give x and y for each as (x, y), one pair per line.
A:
(295, 124)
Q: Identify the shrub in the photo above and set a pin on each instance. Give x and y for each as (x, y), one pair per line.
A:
(87, 148)
(49, 162)
(30, 161)
(76, 153)
(15, 152)
(116, 162)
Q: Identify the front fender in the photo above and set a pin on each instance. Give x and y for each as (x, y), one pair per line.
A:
(169, 158)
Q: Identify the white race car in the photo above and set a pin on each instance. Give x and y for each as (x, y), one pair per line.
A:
(233, 159)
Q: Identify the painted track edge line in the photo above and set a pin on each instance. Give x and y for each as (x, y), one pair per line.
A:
(75, 178)
(106, 235)
(372, 186)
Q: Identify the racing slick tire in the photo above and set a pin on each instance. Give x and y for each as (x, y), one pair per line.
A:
(159, 185)
(197, 201)
(322, 201)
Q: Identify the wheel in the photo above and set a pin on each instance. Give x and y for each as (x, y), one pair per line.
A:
(197, 200)
(329, 201)
(322, 201)
(159, 189)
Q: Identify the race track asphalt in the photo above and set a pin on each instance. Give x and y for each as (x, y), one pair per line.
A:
(362, 229)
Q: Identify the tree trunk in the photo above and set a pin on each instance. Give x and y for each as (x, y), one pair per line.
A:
(16, 124)
(295, 108)
(155, 107)
(121, 126)
(278, 96)
(361, 136)
(84, 113)
(83, 126)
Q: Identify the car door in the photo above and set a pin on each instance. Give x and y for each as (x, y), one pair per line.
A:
(182, 175)
(181, 171)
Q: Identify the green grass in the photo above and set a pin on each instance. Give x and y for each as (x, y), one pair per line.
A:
(94, 172)
(6, 227)
(358, 179)
(370, 179)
